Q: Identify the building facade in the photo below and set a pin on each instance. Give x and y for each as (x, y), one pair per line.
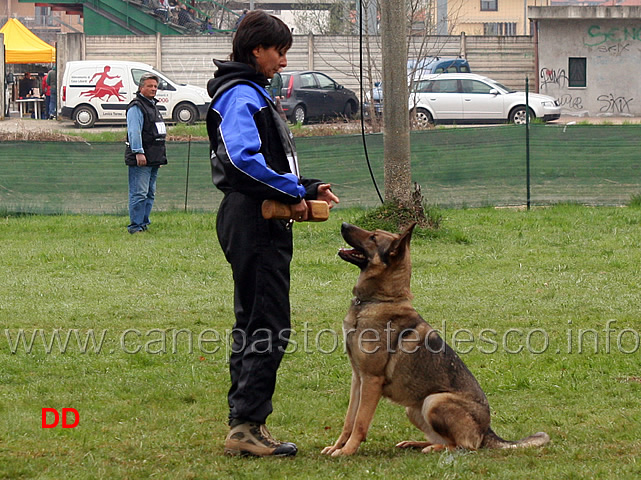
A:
(41, 20)
(588, 58)
(486, 17)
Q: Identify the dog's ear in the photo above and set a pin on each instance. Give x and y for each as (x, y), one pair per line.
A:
(402, 243)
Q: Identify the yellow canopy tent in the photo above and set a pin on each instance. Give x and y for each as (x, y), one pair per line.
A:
(22, 46)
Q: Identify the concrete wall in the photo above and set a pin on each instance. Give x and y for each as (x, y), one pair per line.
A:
(508, 60)
(70, 46)
(188, 59)
(609, 38)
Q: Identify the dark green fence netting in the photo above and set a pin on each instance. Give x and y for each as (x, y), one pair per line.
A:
(456, 167)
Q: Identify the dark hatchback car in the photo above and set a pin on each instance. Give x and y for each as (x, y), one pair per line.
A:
(312, 95)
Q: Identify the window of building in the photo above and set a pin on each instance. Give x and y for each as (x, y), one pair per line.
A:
(489, 5)
(43, 16)
(499, 28)
(577, 67)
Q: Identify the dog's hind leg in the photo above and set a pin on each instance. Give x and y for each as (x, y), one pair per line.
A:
(415, 414)
(459, 421)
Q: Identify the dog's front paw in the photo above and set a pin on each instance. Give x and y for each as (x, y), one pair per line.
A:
(336, 451)
(341, 452)
(329, 450)
(345, 451)
(340, 443)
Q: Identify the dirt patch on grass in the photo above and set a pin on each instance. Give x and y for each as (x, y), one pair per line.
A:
(630, 379)
(38, 136)
(22, 135)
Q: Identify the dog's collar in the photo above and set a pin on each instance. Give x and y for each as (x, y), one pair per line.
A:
(357, 301)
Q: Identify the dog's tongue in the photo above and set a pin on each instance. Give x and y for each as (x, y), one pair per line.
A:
(351, 252)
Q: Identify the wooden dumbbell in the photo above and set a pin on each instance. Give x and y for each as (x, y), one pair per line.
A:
(317, 210)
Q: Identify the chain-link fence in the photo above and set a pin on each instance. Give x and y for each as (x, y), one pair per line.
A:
(476, 166)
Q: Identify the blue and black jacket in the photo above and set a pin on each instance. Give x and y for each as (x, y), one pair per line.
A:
(251, 148)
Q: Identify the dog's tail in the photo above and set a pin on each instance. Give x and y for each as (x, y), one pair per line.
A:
(492, 440)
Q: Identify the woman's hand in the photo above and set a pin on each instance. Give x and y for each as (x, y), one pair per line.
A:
(325, 193)
(299, 211)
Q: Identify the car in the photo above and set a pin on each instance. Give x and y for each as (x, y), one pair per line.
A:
(471, 98)
(417, 69)
(308, 95)
(429, 65)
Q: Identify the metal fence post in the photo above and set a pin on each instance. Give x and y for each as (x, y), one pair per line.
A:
(527, 139)
(187, 178)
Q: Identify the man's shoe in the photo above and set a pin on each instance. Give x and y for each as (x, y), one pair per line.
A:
(248, 438)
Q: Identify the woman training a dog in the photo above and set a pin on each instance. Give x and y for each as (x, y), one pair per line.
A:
(253, 159)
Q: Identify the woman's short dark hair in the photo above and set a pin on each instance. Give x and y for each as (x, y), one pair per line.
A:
(259, 29)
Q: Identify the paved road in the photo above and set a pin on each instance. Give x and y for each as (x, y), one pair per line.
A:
(14, 124)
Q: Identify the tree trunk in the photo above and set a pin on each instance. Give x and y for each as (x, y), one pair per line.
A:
(396, 136)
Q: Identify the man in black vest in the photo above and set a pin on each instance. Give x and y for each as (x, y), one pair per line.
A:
(145, 151)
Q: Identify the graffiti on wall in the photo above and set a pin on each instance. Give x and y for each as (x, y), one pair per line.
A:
(615, 50)
(610, 103)
(615, 41)
(549, 76)
(570, 102)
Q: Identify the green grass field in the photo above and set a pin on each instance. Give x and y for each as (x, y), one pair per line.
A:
(543, 306)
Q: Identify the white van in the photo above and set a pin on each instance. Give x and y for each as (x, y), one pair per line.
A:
(100, 90)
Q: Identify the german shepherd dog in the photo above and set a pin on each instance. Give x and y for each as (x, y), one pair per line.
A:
(396, 354)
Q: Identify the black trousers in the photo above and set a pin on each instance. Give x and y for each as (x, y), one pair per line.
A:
(260, 252)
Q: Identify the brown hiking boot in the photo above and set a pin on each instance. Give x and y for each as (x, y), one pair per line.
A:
(248, 438)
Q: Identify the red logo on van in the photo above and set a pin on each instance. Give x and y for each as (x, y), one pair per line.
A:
(101, 89)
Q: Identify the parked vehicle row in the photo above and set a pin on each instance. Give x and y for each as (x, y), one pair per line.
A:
(99, 91)
(94, 91)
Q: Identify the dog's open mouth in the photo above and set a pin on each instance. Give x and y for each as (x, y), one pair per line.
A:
(353, 255)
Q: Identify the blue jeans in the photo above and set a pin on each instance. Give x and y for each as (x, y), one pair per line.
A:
(44, 113)
(52, 105)
(142, 191)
